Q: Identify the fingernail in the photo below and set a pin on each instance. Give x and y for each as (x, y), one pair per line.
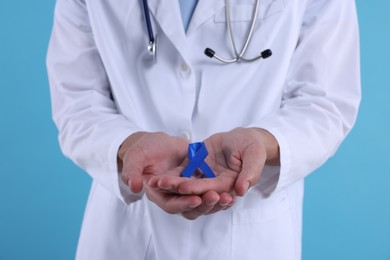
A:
(151, 182)
(208, 203)
(223, 204)
(247, 187)
(166, 187)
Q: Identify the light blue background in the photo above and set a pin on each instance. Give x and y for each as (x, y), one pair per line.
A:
(42, 194)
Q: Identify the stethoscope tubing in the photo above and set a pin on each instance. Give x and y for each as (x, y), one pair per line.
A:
(238, 56)
(152, 41)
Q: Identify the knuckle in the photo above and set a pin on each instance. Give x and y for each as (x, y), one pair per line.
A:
(125, 178)
(170, 211)
(189, 216)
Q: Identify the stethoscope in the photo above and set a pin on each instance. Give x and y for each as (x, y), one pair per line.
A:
(237, 56)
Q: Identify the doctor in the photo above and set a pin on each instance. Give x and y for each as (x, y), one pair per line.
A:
(130, 93)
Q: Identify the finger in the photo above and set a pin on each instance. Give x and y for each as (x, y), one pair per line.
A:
(133, 167)
(232, 202)
(219, 184)
(209, 200)
(171, 180)
(253, 160)
(153, 183)
(168, 181)
(226, 201)
(174, 204)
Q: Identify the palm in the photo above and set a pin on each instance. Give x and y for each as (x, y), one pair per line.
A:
(236, 158)
(225, 165)
(231, 154)
(153, 154)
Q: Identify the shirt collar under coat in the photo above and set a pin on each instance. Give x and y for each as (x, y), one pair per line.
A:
(166, 14)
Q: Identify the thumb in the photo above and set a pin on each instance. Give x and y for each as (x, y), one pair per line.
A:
(253, 160)
(133, 168)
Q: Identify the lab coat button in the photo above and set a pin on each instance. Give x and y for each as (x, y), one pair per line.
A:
(184, 67)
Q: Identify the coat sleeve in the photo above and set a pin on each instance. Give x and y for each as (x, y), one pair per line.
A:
(90, 127)
(321, 93)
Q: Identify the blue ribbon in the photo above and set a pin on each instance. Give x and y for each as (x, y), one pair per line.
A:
(197, 153)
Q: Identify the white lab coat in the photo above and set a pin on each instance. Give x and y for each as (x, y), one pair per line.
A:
(105, 86)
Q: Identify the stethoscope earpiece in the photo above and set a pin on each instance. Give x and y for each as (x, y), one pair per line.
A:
(266, 54)
(263, 55)
(209, 52)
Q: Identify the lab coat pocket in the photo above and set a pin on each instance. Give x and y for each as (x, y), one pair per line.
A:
(264, 232)
(241, 17)
(243, 12)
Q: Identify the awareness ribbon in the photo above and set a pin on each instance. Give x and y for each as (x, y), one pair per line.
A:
(197, 153)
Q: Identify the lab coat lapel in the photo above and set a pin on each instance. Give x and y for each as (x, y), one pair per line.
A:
(167, 15)
(203, 11)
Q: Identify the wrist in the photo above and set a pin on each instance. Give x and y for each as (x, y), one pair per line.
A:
(271, 147)
(127, 143)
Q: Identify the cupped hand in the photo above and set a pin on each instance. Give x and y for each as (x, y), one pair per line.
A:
(155, 161)
(149, 154)
(190, 206)
(146, 155)
(236, 157)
